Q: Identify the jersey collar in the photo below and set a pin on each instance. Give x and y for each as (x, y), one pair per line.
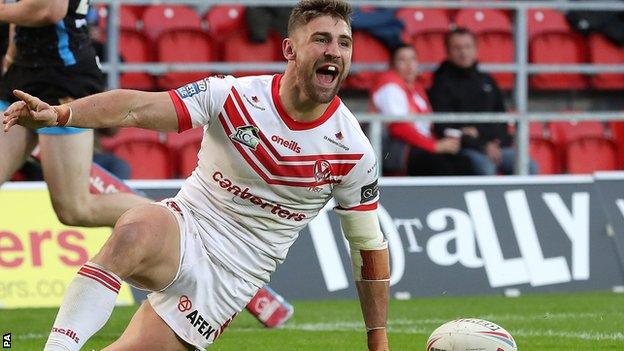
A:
(290, 122)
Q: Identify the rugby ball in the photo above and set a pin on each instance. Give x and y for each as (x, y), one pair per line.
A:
(471, 334)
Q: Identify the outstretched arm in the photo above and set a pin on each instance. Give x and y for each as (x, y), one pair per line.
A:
(33, 13)
(371, 271)
(115, 108)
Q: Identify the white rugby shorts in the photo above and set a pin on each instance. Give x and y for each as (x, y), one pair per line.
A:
(204, 296)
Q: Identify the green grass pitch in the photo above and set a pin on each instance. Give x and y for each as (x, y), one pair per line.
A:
(578, 321)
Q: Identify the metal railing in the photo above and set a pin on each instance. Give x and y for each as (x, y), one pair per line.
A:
(521, 67)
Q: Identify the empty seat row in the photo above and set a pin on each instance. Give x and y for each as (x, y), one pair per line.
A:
(551, 41)
(557, 147)
(154, 155)
(177, 33)
(576, 148)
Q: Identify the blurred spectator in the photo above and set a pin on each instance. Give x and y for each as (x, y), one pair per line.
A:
(459, 86)
(609, 23)
(380, 23)
(410, 146)
(260, 21)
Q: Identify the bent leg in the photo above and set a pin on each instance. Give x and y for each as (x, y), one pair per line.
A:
(147, 331)
(66, 161)
(144, 248)
(15, 147)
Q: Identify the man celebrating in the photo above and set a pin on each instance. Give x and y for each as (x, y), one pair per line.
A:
(275, 150)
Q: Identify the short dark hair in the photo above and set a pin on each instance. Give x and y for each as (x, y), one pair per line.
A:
(457, 31)
(396, 49)
(307, 10)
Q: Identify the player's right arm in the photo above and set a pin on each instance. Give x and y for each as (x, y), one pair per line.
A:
(115, 108)
(33, 13)
(192, 105)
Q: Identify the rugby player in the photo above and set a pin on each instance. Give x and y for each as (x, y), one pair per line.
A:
(275, 150)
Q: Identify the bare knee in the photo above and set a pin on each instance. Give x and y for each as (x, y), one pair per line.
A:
(127, 249)
(144, 247)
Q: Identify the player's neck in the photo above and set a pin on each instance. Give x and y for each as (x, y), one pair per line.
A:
(296, 103)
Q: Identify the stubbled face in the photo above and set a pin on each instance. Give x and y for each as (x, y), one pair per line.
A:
(322, 56)
(462, 50)
(405, 63)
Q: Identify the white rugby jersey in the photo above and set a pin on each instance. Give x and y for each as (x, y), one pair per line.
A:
(261, 175)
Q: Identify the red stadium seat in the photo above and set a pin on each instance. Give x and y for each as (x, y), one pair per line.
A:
(586, 146)
(589, 155)
(422, 21)
(18, 177)
(129, 18)
(240, 49)
(366, 49)
(184, 45)
(225, 19)
(134, 47)
(551, 41)
(494, 37)
(160, 18)
(187, 159)
(425, 30)
(543, 150)
(184, 148)
(602, 51)
(130, 134)
(617, 129)
(148, 160)
(179, 37)
(564, 132)
(144, 150)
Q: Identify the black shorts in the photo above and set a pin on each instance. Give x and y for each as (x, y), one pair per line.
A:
(53, 83)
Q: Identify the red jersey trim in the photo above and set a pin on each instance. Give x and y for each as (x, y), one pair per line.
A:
(262, 175)
(184, 117)
(286, 170)
(275, 153)
(292, 123)
(368, 207)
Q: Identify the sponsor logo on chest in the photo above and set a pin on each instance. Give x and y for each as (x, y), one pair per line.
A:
(337, 140)
(247, 135)
(289, 144)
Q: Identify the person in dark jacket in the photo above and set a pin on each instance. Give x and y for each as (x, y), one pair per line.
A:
(409, 147)
(459, 86)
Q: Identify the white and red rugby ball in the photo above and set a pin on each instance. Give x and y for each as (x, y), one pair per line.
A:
(471, 334)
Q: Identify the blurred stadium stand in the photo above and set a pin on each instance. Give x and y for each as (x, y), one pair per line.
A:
(196, 33)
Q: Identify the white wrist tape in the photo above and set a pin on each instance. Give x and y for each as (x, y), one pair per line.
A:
(369, 255)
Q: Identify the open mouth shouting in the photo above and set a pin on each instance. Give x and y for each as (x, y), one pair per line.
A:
(326, 75)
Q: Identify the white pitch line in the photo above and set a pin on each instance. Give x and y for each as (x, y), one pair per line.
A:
(424, 327)
(504, 317)
(617, 336)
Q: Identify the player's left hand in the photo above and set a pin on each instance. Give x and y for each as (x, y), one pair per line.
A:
(29, 112)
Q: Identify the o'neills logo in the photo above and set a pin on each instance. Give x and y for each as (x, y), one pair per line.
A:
(289, 144)
(275, 209)
(72, 334)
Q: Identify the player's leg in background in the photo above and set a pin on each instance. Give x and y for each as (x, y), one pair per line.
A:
(144, 249)
(147, 331)
(66, 160)
(15, 146)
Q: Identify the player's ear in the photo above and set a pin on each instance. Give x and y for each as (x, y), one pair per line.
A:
(288, 49)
